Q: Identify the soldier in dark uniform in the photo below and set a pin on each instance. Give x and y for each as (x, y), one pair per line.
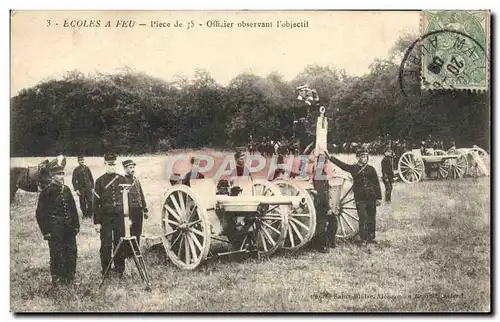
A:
(57, 218)
(278, 172)
(240, 170)
(281, 172)
(367, 192)
(327, 224)
(387, 174)
(194, 168)
(138, 208)
(108, 214)
(83, 184)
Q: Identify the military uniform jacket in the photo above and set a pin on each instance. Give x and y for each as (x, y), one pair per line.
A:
(365, 181)
(241, 171)
(136, 198)
(323, 193)
(110, 200)
(82, 178)
(187, 178)
(387, 171)
(56, 210)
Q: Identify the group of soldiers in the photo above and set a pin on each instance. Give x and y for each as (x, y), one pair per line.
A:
(102, 200)
(268, 147)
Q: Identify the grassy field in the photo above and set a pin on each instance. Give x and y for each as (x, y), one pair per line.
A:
(433, 255)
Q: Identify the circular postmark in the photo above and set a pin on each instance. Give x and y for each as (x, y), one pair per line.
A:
(443, 59)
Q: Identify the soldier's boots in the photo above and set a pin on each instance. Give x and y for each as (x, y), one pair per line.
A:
(117, 272)
(323, 249)
(59, 281)
(55, 280)
(360, 243)
(323, 245)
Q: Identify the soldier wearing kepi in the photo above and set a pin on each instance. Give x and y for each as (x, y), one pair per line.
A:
(57, 218)
(137, 203)
(240, 170)
(83, 184)
(193, 173)
(387, 174)
(108, 214)
(367, 192)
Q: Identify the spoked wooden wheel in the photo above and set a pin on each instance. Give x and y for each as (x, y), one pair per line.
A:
(443, 166)
(185, 228)
(411, 169)
(348, 219)
(301, 220)
(271, 224)
(458, 166)
(485, 158)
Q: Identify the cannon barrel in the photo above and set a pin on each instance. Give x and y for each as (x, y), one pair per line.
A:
(251, 203)
(438, 158)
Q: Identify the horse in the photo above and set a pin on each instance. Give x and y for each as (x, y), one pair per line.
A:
(33, 178)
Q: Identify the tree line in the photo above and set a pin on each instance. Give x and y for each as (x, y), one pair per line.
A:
(134, 113)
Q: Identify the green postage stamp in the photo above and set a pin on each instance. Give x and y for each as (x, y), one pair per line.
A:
(455, 49)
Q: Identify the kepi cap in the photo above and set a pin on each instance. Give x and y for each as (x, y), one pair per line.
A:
(126, 163)
(239, 154)
(57, 170)
(110, 157)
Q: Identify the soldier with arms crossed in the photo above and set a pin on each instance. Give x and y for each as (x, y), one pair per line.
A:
(57, 218)
(83, 184)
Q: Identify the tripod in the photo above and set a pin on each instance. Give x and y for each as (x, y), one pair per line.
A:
(132, 242)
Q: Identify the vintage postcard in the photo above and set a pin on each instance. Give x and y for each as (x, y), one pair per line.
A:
(250, 161)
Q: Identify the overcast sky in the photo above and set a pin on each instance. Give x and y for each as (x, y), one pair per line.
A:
(348, 40)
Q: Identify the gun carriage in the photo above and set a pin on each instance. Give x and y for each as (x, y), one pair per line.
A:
(255, 219)
(253, 215)
(417, 164)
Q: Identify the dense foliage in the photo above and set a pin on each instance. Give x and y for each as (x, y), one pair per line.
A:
(131, 112)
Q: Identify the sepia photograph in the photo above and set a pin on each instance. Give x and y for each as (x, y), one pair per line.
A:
(278, 161)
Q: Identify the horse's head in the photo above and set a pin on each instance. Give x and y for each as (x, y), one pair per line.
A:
(59, 161)
(46, 166)
(43, 164)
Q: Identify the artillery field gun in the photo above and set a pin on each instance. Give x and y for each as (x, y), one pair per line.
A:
(417, 164)
(257, 216)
